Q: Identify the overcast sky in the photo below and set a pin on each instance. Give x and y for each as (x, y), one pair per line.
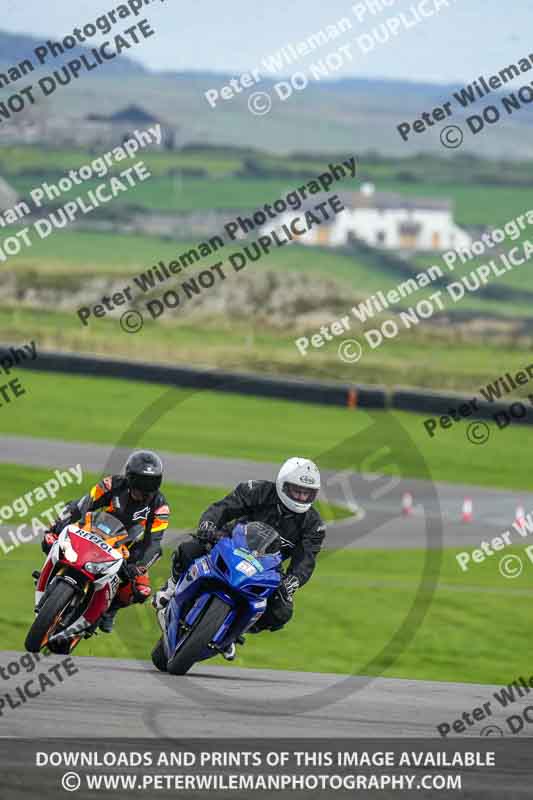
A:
(469, 38)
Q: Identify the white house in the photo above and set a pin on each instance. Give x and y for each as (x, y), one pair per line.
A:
(388, 221)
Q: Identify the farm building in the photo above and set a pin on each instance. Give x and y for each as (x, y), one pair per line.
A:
(121, 124)
(387, 221)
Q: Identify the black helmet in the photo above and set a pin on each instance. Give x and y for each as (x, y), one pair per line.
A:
(144, 471)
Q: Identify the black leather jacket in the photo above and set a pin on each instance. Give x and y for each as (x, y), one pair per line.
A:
(146, 522)
(257, 501)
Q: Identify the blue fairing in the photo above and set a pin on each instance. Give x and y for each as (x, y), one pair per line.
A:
(242, 579)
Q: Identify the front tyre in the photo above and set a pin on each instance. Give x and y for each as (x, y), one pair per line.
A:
(159, 658)
(199, 637)
(49, 617)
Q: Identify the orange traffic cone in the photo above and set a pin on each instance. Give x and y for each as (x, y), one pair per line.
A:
(407, 503)
(467, 510)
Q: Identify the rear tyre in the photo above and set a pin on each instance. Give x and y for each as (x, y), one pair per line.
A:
(49, 617)
(159, 658)
(200, 636)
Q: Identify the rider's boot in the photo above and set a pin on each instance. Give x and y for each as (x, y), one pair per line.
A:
(108, 619)
(230, 652)
(163, 597)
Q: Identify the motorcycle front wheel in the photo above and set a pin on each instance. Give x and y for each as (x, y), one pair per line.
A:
(49, 617)
(199, 637)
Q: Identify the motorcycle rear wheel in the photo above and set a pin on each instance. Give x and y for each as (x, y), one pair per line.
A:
(199, 637)
(49, 617)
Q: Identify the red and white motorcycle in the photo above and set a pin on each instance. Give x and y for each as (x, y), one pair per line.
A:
(78, 582)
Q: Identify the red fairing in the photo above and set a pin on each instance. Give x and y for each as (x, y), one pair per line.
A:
(100, 602)
(45, 574)
(86, 551)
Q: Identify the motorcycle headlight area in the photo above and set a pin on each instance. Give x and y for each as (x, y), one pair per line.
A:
(246, 568)
(66, 546)
(98, 567)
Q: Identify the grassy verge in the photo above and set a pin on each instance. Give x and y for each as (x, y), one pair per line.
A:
(412, 359)
(69, 257)
(473, 631)
(62, 407)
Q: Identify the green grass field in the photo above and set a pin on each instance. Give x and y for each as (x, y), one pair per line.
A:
(69, 258)
(103, 411)
(474, 205)
(84, 253)
(470, 629)
(177, 193)
(34, 161)
(345, 619)
(449, 362)
(474, 626)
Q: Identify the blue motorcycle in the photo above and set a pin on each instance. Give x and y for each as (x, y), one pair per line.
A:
(219, 598)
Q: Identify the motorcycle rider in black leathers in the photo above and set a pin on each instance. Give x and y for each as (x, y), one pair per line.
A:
(286, 505)
(133, 498)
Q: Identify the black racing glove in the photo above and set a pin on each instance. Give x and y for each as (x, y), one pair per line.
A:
(288, 586)
(207, 533)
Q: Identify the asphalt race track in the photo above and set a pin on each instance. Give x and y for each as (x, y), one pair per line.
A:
(129, 698)
(376, 500)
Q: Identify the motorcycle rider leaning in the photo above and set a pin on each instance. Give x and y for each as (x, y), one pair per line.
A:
(286, 505)
(133, 498)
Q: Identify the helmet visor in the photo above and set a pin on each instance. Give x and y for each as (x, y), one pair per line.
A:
(300, 494)
(147, 484)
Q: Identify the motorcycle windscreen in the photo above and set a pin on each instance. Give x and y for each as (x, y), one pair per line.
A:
(261, 539)
(106, 525)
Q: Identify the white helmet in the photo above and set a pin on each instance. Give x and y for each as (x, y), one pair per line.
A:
(298, 484)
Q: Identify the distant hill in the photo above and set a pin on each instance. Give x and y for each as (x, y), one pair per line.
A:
(348, 115)
(15, 47)
(352, 115)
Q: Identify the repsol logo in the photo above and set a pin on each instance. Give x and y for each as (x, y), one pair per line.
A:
(91, 537)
